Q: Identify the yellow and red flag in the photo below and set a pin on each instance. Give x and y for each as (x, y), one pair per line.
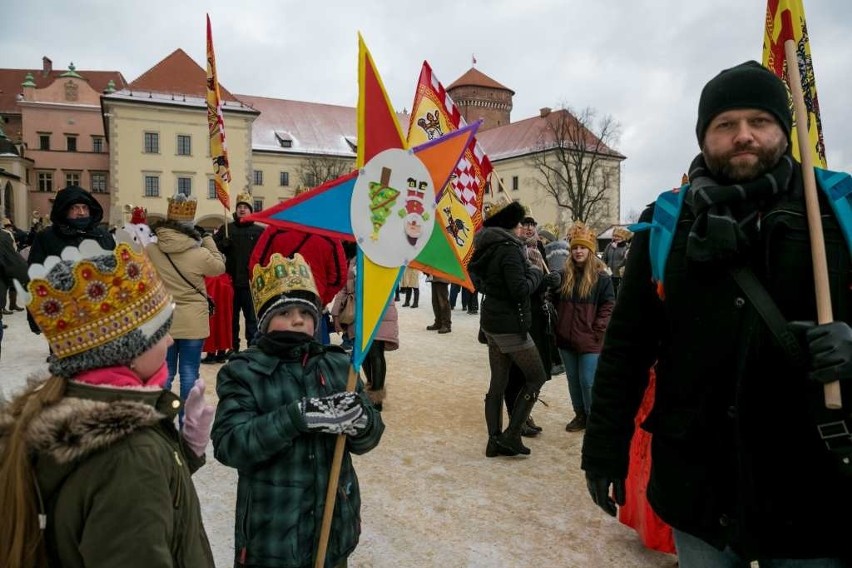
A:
(785, 19)
(216, 127)
(433, 115)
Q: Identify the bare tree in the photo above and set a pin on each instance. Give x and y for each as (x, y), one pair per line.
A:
(631, 216)
(317, 170)
(574, 159)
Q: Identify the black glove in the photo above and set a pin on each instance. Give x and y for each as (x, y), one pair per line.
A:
(332, 414)
(201, 231)
(552, 280)
(599, 490)
(223, 243)
(829, 346)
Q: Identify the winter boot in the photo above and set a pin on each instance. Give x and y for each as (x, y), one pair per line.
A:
(533, 426)
(509, 442)
(493, 423)
(416, 301)
(13, 301)
(578, 423)
(407, 298)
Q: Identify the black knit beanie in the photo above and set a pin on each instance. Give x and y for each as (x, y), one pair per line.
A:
(748, 85)
(508, 216)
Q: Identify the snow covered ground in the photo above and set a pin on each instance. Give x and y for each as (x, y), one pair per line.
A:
(430, 497)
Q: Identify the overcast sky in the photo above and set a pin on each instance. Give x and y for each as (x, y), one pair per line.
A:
(642, 62)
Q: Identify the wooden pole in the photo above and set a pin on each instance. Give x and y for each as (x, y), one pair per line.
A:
(333, 479)
(823, 294)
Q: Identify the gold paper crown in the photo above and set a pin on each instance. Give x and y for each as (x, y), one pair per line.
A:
(245, 197)
(100, 306)
(181, 209)
(579, 234)
(280, 276)
(622, 233)
(494, 207)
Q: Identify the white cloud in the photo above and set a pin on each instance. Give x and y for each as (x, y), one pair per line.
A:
(644, 63)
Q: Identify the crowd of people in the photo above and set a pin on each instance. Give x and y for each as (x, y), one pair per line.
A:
(748, 464)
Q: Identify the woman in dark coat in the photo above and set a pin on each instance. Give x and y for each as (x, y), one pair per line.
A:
(500, 270)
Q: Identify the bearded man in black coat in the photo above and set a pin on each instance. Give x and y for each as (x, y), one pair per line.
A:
(742, 469)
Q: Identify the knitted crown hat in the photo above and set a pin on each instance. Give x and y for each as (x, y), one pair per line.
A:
(281, 284)
(580, 234)
(506, 215)
(97, 308)
(748, 85)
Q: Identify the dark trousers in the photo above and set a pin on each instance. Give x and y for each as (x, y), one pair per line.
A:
(454, 294)
(242, 302)
(470, 300)
(441, 303)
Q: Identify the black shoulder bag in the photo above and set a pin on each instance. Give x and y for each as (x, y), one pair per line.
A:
(211, 305)
(833, 427)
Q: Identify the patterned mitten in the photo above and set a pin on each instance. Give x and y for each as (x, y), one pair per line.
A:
(331, 414)
(357, 426)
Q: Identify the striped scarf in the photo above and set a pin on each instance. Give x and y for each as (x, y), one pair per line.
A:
(726, 215)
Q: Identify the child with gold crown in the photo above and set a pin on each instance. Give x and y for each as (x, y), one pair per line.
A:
(282, 404)
(92, 469)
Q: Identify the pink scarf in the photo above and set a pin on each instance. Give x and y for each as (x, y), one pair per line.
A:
(122, 376)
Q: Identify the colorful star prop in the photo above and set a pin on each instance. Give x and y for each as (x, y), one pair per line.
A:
(388, 206)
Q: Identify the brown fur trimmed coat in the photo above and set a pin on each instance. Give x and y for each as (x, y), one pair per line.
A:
(114, 479)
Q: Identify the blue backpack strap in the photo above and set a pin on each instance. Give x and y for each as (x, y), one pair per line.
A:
(662, 226)
(837, 186)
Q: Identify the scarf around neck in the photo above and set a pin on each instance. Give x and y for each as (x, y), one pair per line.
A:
(726, 215)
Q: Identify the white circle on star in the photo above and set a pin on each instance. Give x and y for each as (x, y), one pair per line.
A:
(393, 208)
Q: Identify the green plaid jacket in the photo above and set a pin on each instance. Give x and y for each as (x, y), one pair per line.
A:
(283, 472)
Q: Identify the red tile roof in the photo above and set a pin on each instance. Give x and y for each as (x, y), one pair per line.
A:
(11, 80)
(476, 78)
(177, 74)
(527, 136)
(311, 128)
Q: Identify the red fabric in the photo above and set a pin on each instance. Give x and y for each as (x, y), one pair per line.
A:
(220, 289)
(120, 376)
(323, 254)
(637, 513)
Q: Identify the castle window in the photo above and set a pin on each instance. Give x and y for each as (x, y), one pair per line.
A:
(152, 186)
(184, 186)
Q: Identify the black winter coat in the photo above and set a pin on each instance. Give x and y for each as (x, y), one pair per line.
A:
(736, 455)
(52, 240)
(500, 270)
(237, 247)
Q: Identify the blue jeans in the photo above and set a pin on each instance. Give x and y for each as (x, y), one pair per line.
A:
(580, 369)
(692, 552)
(184, 357)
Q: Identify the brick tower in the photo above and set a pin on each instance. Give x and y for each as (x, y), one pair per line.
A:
(478, 96)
